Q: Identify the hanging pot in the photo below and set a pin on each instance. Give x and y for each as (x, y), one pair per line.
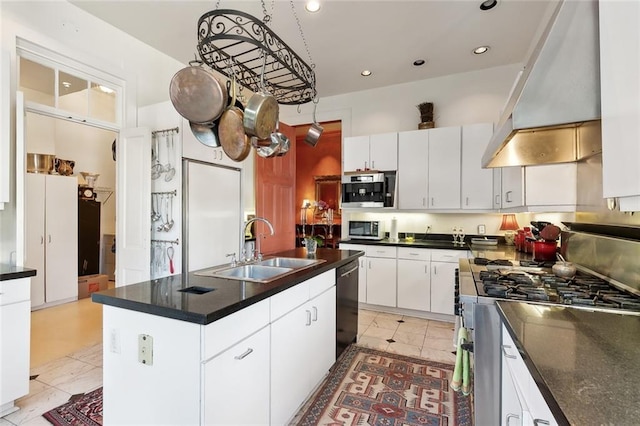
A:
(207, 134)
(231, 130)
(314, 132)
(261, 112)
(197, 94)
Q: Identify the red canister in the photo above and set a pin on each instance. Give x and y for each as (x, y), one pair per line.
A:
(519, 240)
(544, 250)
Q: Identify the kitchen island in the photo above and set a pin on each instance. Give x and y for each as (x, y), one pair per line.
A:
(583, 362)
(233, 353)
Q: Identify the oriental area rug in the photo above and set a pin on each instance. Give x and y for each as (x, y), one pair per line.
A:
(81, 410)
(370, 387)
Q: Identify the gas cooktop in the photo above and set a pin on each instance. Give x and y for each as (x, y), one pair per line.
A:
(534, 281)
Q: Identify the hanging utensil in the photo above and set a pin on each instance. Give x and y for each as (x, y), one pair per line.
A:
(156, 168)
(169, 211)
(161, 226)
(314, 132)
(261, 112)
(170, 171)
(232, 137)
(197, 94)
(170, 252)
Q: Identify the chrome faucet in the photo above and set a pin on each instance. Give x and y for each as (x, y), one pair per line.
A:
(257, 254)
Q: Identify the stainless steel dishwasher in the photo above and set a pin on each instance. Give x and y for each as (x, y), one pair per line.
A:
(346, 305)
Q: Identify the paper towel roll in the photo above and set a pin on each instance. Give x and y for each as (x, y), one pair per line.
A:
(393, 233)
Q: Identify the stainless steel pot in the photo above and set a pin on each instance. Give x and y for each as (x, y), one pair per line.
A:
(261, 113)
(197, 94)
(207, 134)
(314, 132)
(564, 269)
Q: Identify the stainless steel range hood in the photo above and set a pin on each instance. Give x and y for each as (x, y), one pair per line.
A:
(553, 112)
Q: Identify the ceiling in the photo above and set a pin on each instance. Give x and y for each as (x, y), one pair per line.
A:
(346, 36)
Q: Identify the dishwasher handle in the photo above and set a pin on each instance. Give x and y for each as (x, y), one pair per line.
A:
(349, 271)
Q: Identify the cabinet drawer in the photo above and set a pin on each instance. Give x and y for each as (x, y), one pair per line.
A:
(448, 255)
(229, 330)
(321, 282)
(414, 253)
(289, 299)
(381, 251)
(12, 291)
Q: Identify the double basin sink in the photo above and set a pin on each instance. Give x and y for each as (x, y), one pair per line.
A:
(264, 271)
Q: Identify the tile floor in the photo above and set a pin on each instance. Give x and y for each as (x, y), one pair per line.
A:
(66, 351)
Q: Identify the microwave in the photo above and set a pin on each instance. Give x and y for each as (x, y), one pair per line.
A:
(366, 229)
(367, 190)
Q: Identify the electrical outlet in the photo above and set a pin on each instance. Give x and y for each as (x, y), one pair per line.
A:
(114, 341)
(145, 349)
(481, 230)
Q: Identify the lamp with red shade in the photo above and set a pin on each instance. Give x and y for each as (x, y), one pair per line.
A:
(509, 224)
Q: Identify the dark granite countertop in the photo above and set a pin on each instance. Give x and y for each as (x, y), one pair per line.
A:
(8, 272)
(161, 296)
(584, 362)
(418, 243)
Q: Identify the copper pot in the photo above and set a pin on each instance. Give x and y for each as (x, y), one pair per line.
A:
(197, 94)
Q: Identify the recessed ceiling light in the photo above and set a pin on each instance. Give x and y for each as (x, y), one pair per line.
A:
(365, 73)
(488, 4)
(66, 84)
(312, 6)
(480, 50)
(419, 62)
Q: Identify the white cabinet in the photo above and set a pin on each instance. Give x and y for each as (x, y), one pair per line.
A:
(429, 169)
(51, 206)
(526, 405)
(414, 279)
(477, 183)
(512, 195)
(5, 127)
(444, 168)
(362, 271)
(443, 266)
(15, 329)
(193, 149)
(376, 152)
(301, 340)
(551, 187)
(228, 375)
(620, 89)
(413, 172)
(381, 275)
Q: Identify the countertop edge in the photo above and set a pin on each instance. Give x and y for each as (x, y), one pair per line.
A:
(533, 370)
(105, 298)
(15, 272)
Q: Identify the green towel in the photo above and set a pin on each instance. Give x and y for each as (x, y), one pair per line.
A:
(456, 381)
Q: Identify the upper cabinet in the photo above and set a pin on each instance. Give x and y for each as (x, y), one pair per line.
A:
(620, 89)
(512, 188)
(444, 168)
(413, 172)
(477, 183)
(5, 128)
(193, 149)
(375, 152)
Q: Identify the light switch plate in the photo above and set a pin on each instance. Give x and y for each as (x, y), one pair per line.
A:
(481, 230)
(145, 349)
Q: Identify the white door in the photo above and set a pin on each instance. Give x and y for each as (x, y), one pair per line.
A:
(35, 233)
(61, 226)
(413, 176)
(442, 287)
(414, 285)
(133, 234)
(355, 153)
(212, 215)
(381, 281)
(477, 183)
(323, 337)
(444, 168)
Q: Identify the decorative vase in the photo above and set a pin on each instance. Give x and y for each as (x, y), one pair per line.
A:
(311, 246)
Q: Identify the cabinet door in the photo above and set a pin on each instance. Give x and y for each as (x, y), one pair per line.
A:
(14, 351)
(414, 285)
(497, 188)
(193, 149)
(383, 151)
(512, 413)
(619, 88)
(35, 233)
(61, 224)
(355, 153)
(551, 185)
(322, 339)
(290, 352)
(381, 281)
(512, 187)
(444, 168)
(413, 176)
(442, 287)
(226, 394)
(477, 183)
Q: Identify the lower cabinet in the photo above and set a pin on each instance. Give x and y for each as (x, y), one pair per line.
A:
(381, 281)
(226, 394)
(414, 279)
(522, 402)
(442, 287)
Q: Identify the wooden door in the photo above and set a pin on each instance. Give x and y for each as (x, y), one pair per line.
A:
(275, 183)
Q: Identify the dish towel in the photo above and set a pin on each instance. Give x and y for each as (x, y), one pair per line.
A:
(460, 380)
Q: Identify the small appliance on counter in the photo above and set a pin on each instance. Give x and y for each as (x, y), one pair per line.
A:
(368, 189)
(366, 229)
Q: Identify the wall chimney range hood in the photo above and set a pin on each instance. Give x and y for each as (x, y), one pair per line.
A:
(553, 112)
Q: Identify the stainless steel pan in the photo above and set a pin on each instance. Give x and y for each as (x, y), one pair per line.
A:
(197, 94)
(261, 112)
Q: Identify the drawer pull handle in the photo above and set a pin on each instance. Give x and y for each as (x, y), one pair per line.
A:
(537, 422)
(308, 317)
(504, 351)
(243, 355)
(511, 416)
(315, 313)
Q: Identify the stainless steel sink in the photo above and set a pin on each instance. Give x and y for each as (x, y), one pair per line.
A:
(290, 262)
(262, 272)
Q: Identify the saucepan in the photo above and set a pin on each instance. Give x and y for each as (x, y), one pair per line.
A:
(314, 132)
(261, 113)
(197, 94)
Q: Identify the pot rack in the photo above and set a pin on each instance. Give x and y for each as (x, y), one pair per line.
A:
(234, 41)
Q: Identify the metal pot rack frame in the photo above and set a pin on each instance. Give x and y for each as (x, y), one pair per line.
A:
(231, 39)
